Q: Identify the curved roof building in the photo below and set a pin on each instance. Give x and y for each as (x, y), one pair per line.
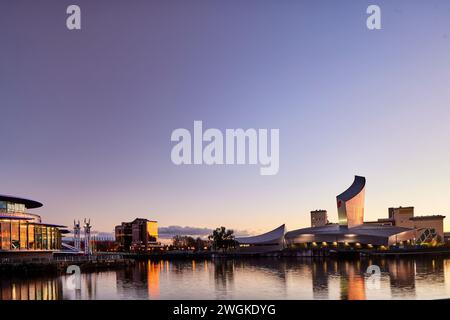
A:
(351, 228)
(350, 204)
(271, 241)
(21, 230)
(274, 237)
(363, 234)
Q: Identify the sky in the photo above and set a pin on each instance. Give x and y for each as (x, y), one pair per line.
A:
(87, 115)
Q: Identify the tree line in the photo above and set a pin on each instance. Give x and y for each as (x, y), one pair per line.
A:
(221, 239)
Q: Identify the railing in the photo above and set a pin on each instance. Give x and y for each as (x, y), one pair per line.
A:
(71, 258)
(25, 260)
(86, 258)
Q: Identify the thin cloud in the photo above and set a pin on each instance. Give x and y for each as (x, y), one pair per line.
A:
(170, 231)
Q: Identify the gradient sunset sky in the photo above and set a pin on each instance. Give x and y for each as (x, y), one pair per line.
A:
(86, 116)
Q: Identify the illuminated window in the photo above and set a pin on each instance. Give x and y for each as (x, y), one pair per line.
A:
(15, 207)
(44, 238)
(152, 231)
(15, 244)
(31, 243)
(5, 235)
(38, 237)
(23, 236)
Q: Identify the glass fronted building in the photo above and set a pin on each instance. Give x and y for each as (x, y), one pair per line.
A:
(138, 235)
(23, 231)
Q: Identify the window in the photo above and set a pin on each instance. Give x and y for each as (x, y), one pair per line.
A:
(31, 243)
(38, 237)
(15, 207)
(15, 244)
(5, 235)
(23, 235)
(44, 238)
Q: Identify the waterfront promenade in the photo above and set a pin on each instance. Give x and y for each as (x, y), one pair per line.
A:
(59, 263)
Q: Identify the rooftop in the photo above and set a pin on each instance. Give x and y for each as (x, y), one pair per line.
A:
(365, 229)
(268, 237)
(29, 204)
(356, 187)
(433, 217)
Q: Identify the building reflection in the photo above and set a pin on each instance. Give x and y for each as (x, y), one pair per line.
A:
(90, 286)
(31, 289)
(402, 276)
(320, 271)
(433, 270)
(246, 278)
(142, 280)
(153, 271)
(223, 274)
(330, 278)
(352, 282)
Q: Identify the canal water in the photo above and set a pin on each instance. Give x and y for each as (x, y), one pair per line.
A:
(262, 278)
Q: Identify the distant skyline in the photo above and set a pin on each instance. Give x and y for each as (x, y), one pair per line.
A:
(87, 115)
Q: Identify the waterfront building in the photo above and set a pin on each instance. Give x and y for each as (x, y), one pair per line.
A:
(432, 226)
(362, 236)
(23, 231)
(404, 217)
(401, 216)
(269, 241)
(123, 234)
(319, 218)
(401, 228)
(428, 228)
(138, 235)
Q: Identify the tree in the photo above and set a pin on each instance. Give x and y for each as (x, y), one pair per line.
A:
(184, 242)
(222, 238)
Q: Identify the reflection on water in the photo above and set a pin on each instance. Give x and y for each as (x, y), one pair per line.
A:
(24, 289)
(425, 278)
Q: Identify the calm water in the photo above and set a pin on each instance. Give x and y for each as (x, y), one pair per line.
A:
(246, 279)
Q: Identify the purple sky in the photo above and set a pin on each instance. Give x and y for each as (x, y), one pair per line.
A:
(86, 116)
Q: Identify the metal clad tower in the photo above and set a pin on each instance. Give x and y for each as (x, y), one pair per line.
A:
(350, 204)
